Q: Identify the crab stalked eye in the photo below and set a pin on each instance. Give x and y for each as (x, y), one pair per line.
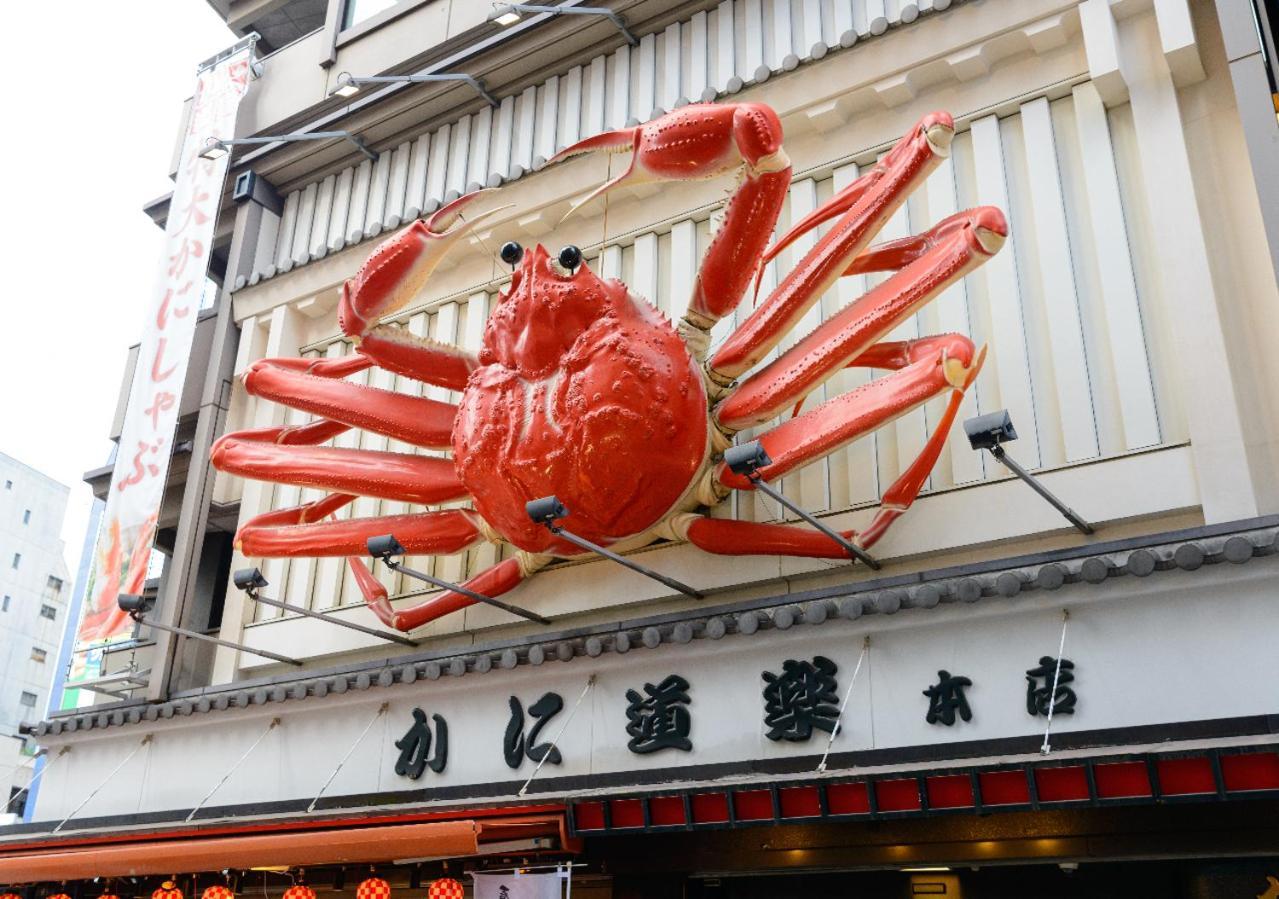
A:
(570, 257)
(511, 252)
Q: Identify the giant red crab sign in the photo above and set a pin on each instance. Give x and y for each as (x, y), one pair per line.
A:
(583, 390)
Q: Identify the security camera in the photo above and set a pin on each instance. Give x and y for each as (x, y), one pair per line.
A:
(988, 431)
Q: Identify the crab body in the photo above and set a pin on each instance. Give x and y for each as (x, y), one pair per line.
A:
(583, 391)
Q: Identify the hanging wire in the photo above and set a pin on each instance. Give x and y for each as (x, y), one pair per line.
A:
(358, 740)
(1052, 697)
(573, 711)
(110, 777)
(834, 731)
(207, 796)
(39, 774)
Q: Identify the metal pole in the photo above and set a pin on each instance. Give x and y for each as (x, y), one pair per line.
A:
(853, 549)
(474, 82)
(998, 452)
(457, 588)
(310, 135)
(582, 11)
(622, 560)
(196, 635)
(371, 631)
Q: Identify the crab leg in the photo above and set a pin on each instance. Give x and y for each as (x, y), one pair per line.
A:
(704, 141)
(494, 581)
(397, 476)
(934, 260)
(727, 537)
(280, 534)
(870, 202)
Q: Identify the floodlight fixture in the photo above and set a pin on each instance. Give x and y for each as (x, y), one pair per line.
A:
(348, 85)
(548, 510)
(138, 606)
(250, 580)
(504, 14)
(747, 459)
(216, 147)
(989, 432)
(386, 548)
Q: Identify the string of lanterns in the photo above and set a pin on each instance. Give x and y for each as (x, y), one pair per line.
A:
(370, 888)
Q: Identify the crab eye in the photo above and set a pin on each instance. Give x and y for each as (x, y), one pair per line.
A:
(570, 257)
(511, 252)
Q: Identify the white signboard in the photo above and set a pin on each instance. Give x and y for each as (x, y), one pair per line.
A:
(517, 886)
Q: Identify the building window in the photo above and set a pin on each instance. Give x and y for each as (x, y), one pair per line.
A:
(53, 588)
(8, 485)
(17, 558)
(4, 606)
(359, 10)
(28, 699)
(48, 612)
(38, 654)
(26, 517)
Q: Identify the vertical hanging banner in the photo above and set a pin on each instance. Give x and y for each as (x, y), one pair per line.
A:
(128, 526)
(518, 885)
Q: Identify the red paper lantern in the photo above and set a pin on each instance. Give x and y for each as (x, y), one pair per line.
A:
(10, 896)
(168, 890)
(299, 891)
(217, 891)
(58, 896)
(108, 896)
(445, 888)
(373, 888)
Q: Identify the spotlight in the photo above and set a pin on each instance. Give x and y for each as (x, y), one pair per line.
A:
(214, 149)
(344, 86)
(134, 604)
(747, 458)
(504, 14)
(546, 510)
(509, 13)
(384, 547)
(249, 580)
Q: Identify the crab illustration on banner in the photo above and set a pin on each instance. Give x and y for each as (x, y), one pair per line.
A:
(446, 888)
(584, 391)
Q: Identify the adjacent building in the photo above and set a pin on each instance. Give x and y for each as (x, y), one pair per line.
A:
(34, 589)
(1009, 705)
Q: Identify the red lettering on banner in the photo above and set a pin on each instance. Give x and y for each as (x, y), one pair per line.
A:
(161, 402)
(142, 469)
(156, 374)
(162, 317)
(193, 213)
(190, 249)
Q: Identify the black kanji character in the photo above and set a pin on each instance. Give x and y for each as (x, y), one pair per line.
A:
(514, 745)
(1038, 697)
(946, 698)
(415, 746)
(660, 721)
(801, 698)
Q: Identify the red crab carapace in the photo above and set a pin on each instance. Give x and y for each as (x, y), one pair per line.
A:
(583, 390)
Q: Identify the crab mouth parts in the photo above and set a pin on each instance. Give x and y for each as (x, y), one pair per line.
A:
(939, 137)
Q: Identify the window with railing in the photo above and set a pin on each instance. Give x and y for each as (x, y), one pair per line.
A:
(49, 612)
(38, 654)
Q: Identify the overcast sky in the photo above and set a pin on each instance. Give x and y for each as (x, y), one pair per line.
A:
(93, 98)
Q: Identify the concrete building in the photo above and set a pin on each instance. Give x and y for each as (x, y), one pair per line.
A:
(34, 589)
(1128, 318)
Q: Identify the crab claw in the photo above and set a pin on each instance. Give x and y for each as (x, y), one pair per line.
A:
(699, 141)
(401, 265)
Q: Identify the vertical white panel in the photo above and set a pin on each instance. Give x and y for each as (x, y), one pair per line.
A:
(459, 148)
(379, 183)
(619, 95)
(477, 165)
(323, 217)
(951, 315)
(698, 46)
(570, 109)
(683, 268)
(596, 86)
(644, 280)
(359, 202)
(998, 280)
(547, 112)
(753, 68)
(500, 152)
(437, 170)
(1110, 249)
(609, 264)
(845, 25)
(1060, 299)
(397, 186)
(783, 52)
(672, 88)
(415, 189)
(645, 78)
(812, 44)
(725, 49)
(525, 119)
(341, 209)
(302, 228)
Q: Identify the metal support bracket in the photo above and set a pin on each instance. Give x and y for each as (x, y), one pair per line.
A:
(622, 560)
(851, 548)
(298, 610)
(476, 84)
(1011, 464)
(196, 635)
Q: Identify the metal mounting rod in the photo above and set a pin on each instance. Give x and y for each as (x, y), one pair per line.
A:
(614, 17)
(471, 80)
(371, 631)
(1011, 464)
(852, 548)
(295, 136)
(458, 588)
(622, 560)
(196, 635)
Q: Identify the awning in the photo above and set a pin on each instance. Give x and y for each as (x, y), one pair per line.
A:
(329, 846)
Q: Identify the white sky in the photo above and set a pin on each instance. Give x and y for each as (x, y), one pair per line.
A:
(93, 97)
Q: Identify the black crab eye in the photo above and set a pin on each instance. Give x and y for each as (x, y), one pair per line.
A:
(511, 253)
(570, 257)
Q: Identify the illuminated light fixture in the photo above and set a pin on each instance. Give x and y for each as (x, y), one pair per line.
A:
(250, 580)
(509, 13)
(548, 510)
(138, 606)
(748, 458)
(216, 147)
(386, 547)
(927, 869)
(990, 432)
(348, 85)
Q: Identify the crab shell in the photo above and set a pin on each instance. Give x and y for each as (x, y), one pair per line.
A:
(584, 391)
